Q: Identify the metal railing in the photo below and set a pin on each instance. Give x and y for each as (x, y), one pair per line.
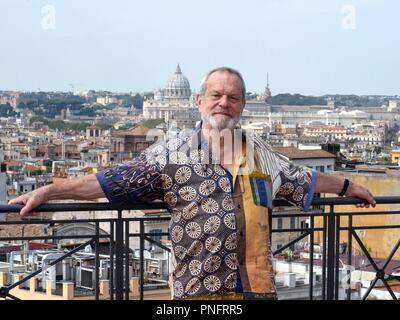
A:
(120, 235)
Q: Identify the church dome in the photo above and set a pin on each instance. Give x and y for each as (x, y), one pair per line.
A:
(178, 87)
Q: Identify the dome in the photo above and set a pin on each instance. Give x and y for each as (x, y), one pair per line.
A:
(178, 87)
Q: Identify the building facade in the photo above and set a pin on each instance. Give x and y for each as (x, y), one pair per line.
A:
(175, 103)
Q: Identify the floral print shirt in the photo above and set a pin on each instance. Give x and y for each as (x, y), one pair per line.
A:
(216, 228)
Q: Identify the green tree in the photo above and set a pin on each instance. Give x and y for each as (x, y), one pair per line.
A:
(152, 123)
(6, 110)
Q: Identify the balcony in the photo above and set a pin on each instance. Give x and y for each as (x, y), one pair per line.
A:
(324, 262)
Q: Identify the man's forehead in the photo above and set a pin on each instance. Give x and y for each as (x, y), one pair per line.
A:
(223, 79)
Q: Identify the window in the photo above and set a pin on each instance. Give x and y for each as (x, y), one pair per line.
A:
(292, 222)
(280, 223)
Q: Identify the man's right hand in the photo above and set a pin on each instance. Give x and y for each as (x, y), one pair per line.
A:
(82, 188)
(30, 200)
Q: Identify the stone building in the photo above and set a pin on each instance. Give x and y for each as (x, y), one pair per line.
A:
(129, 143)
(175, 103)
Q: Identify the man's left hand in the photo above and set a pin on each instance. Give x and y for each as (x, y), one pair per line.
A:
(362, 193)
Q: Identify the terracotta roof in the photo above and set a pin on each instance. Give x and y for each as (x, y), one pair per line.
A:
(32, 168)
(139, 130)
(294, 153)
(12, 163)
(394, 286)
(31, 246)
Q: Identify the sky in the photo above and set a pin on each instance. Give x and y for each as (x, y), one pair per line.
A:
(311, 47)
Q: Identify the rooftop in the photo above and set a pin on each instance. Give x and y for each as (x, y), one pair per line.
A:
(136, 131)
(294, 153)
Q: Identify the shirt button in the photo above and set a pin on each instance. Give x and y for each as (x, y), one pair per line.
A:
(239, 206)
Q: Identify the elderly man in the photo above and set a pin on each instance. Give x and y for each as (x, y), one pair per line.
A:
(219, 190)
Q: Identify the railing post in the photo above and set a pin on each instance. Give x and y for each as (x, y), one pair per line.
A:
(141, 278)
(337, 258)
(97, 262)
(324, 241)
(111, 251)
(119, 256)
(349, 253)
(127, 260)
(331, 255)
(311, 271)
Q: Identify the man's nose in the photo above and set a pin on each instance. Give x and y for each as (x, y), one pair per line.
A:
(224, 101)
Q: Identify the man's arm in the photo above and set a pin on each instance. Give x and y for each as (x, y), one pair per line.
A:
(334, 184)
(83, 188)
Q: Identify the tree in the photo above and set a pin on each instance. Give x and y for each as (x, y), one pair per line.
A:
(152, 123)
(21, 105)
(7, 111)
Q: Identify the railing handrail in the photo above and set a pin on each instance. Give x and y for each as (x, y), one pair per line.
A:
(102, 206)
(121, 234)
(331, 234)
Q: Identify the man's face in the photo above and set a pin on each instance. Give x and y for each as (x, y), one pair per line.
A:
(222, 103)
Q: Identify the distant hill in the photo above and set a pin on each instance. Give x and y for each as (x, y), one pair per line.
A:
(296, 100)
(340, 100)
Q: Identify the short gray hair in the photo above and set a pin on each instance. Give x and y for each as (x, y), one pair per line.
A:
(203, 84)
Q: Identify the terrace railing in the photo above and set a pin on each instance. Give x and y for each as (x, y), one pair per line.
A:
(325, 209)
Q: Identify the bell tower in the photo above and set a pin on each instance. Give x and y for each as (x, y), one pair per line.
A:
(267, 91)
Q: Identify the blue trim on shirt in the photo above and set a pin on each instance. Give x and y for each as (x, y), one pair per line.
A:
(104, 186)
(262, 192)
(310, 194)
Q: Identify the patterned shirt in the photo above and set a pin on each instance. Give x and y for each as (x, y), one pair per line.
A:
(218, 229)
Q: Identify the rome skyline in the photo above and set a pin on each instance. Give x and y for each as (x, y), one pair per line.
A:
(344, 47)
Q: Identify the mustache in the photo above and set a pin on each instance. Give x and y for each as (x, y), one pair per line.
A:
(222, 111)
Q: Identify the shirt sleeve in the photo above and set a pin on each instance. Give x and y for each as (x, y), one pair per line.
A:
(297, 183)
(136, 181)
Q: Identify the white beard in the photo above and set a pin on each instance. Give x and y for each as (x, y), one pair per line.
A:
(224, 123)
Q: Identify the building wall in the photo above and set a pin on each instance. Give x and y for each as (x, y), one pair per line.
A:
(395, 156)
(282, 238)
(328, 165)
(304, 118)
(381, 242)
(3, 193)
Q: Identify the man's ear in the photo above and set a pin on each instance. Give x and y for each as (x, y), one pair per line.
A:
(199, 100)
(244, 104)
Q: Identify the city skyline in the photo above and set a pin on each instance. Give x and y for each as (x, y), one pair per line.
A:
(341, 47)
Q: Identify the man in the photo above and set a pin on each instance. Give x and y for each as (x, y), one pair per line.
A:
(218, 184)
